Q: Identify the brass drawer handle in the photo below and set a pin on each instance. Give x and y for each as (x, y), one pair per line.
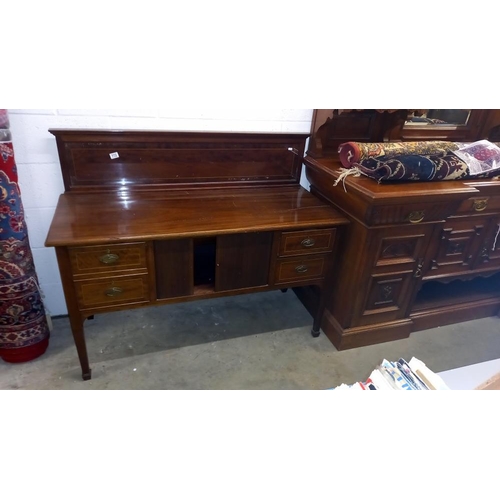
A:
(416, 217)
(479, 205)
(109, 258)
(114, 291)
(301, 269)
(308, 242)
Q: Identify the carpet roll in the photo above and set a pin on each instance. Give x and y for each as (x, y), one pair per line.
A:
(353, 152)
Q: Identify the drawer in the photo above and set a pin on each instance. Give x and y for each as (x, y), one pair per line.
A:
(112, 291)
(479, 204)
(306, 242)
(107, 258)
(412, 213)
(300, 269)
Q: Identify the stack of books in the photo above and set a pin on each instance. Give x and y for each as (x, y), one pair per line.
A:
(401, 376)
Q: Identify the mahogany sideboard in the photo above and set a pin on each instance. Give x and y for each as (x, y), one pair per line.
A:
(150, 218)
(415, 255)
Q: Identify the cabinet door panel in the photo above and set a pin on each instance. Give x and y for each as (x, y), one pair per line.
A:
(174, 268)
(388, 296)
(395, 258)
(402, 248)
(489, 252)
(242, 260)
(458, 247)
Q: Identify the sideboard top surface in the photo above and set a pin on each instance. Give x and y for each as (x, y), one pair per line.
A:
(102, 218)
(373, 192)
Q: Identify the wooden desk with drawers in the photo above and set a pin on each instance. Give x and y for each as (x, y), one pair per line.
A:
(151, 218)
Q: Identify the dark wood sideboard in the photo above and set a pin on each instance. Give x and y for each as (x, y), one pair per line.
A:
(416, 255)
(151, 218)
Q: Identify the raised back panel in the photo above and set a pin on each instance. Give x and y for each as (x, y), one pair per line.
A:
(98, 159)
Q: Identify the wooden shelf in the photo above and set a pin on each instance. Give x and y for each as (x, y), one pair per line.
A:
(435, 295)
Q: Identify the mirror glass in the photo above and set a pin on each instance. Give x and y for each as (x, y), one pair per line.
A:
(437, 117)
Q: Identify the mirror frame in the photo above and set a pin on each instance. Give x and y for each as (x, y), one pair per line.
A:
(329, 130)
(464, 133)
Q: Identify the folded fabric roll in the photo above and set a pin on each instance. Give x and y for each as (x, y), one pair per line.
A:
(434, 167)
(354, 152)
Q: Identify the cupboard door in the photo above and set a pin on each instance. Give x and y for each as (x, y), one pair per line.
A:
(458, 247)
(489, 251)
(174, 268)
(388, 295)
(393, 273)
(242, 260)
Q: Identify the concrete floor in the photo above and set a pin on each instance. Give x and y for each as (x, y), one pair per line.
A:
(257, 341)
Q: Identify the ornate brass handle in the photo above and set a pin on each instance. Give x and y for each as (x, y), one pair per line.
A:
(301, 269)
(416, 217)
(109, 258)
(308, 242)
(114, 291)
(479, 205)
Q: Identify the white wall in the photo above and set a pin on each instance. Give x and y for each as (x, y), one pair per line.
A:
(40, 178)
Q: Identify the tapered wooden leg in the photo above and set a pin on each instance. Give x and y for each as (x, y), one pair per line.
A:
(81, 347)
(75, 317)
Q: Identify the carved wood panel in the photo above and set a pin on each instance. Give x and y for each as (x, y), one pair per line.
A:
(389, 283)
(388, 293)
(459, 246)
(489, 251)
(395, 248)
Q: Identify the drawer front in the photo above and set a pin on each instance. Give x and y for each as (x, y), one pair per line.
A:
(415, 213)
(479, 205)
(112, 292)
(300, 269)
(306, 242)
(107, 258)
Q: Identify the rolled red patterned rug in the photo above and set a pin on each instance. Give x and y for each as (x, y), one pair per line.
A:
(24, 332)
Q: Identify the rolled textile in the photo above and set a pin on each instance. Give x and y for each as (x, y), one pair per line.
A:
(353, 152)
(439, 167)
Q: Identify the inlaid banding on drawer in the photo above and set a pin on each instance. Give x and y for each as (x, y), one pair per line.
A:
(306, 242)
(300, 269)
(107, 258)
(104, 292)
